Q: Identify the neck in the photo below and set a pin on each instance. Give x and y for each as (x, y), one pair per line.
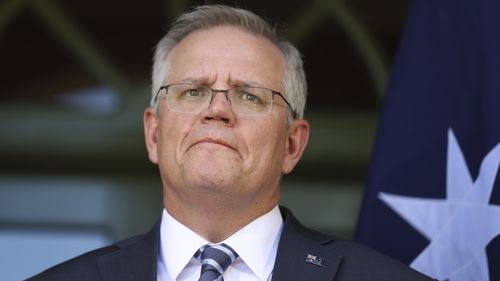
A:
(215, 217)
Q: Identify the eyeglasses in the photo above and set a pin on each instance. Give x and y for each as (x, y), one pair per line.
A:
(244, 100)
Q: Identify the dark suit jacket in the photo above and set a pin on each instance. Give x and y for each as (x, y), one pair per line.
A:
(303, 254)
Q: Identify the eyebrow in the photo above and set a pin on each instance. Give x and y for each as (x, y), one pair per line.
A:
(245, 83)
(196, 80)
(205, 80)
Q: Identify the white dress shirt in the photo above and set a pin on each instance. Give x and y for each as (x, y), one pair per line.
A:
(256, 245)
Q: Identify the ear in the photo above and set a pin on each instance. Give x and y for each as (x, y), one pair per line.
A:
(298, 135)
(151, 124)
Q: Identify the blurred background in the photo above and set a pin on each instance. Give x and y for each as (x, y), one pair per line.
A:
(74, 81)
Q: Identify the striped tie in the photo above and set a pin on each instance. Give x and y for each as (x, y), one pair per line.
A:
(215, 259)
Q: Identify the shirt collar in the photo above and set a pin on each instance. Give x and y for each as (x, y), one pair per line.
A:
(178, 244)
(256, 243)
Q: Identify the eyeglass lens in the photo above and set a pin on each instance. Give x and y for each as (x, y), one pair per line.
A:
(191, 98)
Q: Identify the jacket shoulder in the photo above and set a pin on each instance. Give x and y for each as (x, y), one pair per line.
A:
(84, 267)
(351, 261)
(368, 264)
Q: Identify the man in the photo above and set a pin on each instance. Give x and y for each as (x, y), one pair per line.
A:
(225, 124)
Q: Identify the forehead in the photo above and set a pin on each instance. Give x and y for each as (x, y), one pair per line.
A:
(225, 54)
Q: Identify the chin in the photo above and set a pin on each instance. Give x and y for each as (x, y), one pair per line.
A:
(212, 176)
(213, 168)
(209, 183)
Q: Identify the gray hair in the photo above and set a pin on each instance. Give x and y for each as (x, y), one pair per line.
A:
(210, 16)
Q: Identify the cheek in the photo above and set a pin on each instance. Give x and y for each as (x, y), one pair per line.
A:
(171, 136)
(267, 147)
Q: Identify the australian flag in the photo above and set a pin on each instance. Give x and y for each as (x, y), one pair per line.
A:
(432, 198)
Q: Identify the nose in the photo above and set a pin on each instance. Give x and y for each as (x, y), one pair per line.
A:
(219, 109)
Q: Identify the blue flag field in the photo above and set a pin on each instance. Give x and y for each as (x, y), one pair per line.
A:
(432, 198)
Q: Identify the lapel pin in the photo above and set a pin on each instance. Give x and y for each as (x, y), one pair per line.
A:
(314, 260)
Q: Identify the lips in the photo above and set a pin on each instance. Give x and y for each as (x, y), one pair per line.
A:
(213, 141)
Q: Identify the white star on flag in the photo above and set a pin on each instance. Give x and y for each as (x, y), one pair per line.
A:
(459, 227)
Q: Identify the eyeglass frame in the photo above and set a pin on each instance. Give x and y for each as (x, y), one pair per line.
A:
(225, 92)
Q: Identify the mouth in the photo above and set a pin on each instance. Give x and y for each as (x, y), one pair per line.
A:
(214, 142)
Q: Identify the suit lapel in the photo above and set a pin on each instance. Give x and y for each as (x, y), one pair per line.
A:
(302, 254)
(135, 260)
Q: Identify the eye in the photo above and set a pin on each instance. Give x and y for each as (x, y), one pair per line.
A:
(249, 97)
(193, 92)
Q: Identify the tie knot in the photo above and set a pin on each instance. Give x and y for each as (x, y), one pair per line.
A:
(215, 258)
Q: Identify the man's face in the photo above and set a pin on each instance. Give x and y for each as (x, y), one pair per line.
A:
(219, 151)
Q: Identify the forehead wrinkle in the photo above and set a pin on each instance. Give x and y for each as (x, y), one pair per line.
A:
(201, 80)
(210, 80)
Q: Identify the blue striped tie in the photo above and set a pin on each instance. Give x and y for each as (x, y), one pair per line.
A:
(215, 259)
